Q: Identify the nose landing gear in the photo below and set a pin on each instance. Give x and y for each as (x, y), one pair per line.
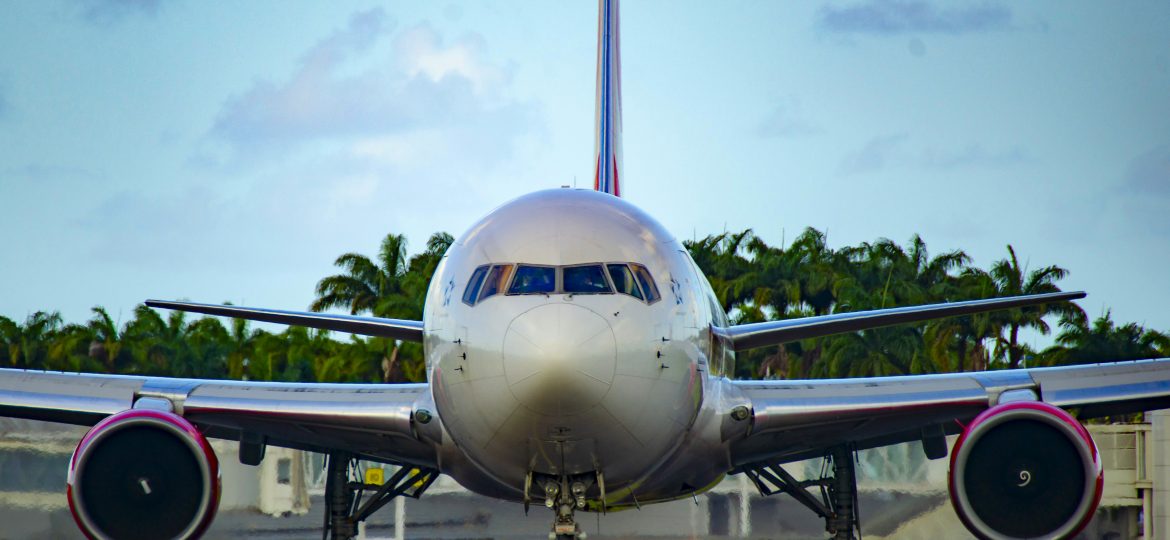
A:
(566, 495)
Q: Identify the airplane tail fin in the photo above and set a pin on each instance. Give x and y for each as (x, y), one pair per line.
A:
(608, 121)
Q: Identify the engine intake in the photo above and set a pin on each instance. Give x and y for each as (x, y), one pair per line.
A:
(1025, 470)
(143, 474)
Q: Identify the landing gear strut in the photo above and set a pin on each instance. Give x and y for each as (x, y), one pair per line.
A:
(344, 493)
(837, 503)
(843, 496)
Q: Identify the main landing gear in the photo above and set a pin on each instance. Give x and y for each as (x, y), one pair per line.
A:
(837, 503)
(345, 491)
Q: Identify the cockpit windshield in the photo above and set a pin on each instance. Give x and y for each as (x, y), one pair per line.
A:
(587, 279)
(630, 279)
(534, 280)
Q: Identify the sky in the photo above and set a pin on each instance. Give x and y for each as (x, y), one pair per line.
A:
(228, 151)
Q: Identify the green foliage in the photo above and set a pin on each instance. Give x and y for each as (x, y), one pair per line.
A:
(1080, 343)
(756, 282)
(752, 280)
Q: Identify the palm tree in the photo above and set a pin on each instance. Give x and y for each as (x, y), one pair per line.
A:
(69, 348)
(291, 355)
(354, 361)
(928, 279)
(241, 346)
(1080, 343)
(368, 286)
(390, 287)
(817, 275)
(374, 287)
(305, 346)
(208, 344)
(158, 346)
(873, 353)
(105, 345)
(10, 340)
(1010, 280)
(421, 269)
(733, 277)
(817, 268)
(957, 343)
(27, 345)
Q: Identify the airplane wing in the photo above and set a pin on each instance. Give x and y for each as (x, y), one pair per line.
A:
(370, 420)
(366, 326)
(800, 419)
(750, 336)
(143, 426)
(794, 420)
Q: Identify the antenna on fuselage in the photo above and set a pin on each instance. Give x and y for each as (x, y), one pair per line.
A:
(607, 141)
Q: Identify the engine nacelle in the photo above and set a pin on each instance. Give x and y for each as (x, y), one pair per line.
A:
(1025, 469)
(143, 474)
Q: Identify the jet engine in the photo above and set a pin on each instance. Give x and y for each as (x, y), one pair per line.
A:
(143, 474)
(1025, 469)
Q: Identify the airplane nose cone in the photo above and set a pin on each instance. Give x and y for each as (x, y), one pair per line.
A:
(559, 359)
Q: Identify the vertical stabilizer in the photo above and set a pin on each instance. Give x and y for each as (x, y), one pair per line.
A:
(608, 122)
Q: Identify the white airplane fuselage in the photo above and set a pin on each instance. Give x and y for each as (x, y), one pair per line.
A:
(575, 384)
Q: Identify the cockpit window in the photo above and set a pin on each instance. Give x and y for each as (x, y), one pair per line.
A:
(474, 284)
(497, 279)
(647, 282)
(623, 280)
(630, 279)
(587, 279)
(534, 280)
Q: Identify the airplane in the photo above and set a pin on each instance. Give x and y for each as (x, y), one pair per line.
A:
(577, 358)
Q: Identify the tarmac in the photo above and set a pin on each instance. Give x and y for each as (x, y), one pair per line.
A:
(34, 457)
(452, 516)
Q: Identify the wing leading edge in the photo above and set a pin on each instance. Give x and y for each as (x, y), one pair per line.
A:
(367, 326)
(750, 336)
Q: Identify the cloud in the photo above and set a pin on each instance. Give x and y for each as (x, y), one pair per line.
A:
(372, 130)
(111, 11)
(895, 151)
(892, 17)
(317, 101)
(916, 47)
(972, 156)
(350, 95)
(786, 122)
(874, 155)
(1143, 196)
(41, 172)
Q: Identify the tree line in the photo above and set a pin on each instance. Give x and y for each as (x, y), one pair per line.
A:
(754, 281)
